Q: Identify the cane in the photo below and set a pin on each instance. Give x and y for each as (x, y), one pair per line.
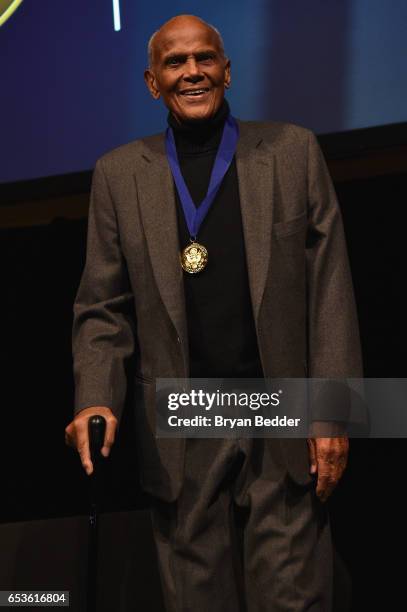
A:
(96, 429)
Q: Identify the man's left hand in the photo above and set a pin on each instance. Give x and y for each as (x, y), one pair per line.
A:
(328, 459)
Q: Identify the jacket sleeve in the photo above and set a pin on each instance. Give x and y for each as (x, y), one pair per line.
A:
(103, 325)
(333, 332)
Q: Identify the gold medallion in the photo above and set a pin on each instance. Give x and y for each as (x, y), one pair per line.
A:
(194, 258)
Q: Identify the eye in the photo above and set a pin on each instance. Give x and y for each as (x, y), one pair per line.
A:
(174, 61)
(206, 58)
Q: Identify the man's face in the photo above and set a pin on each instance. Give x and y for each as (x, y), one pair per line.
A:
(189, 70)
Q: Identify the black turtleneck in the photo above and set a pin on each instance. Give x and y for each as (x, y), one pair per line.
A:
(221, 331)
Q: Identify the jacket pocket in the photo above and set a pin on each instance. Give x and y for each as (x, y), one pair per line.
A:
(291, 226)
(140, 378)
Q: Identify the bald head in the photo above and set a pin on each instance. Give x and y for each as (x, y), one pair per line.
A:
(170, 28)
(188, 68)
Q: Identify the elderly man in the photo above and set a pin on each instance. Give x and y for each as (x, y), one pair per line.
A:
(217, 250)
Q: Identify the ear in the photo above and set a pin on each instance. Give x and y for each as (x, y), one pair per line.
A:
(228, 77)
(151, 83)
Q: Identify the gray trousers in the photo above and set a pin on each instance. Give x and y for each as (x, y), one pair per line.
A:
(242, 536)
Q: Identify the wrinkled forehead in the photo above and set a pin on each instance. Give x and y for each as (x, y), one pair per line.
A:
(185, 39)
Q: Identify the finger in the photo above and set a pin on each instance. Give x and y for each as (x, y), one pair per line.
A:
(82, 437)
(339, 468)
(327, 490)
(329, 475)
(69, 436)
(336, 461)
(111, 424)
(68, 440)
(312, 456)
(325, 486)
(344, 455)
(332, 457)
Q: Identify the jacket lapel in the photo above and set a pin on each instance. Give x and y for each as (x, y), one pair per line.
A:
(255, 169)
(157, 207)
(159, 218)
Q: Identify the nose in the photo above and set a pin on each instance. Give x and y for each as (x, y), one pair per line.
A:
(193, 72)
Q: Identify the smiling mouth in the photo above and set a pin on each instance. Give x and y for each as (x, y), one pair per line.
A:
(194, 93)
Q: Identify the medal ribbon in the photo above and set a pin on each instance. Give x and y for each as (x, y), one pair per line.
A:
(195, 215)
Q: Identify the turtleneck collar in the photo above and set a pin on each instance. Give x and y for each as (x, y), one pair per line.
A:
(199, 137)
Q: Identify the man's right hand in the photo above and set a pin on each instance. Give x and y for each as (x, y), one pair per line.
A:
(77, 436)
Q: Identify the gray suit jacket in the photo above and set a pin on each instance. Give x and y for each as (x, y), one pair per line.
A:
(130, 303)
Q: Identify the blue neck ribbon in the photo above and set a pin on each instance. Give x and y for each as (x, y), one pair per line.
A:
(194, 216)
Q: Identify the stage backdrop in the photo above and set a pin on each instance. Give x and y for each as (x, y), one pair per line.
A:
(72, 72)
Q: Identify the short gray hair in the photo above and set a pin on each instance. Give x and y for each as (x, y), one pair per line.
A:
(150, 46)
